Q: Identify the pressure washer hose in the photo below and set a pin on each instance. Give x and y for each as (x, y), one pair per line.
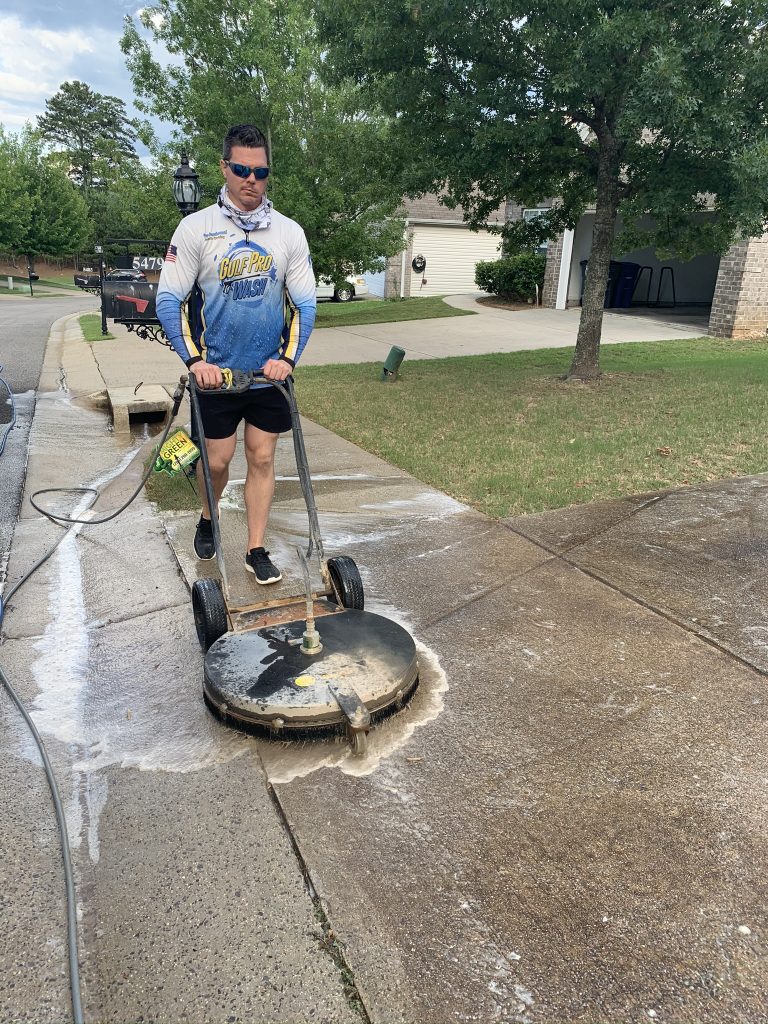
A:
(74, 967)
(12, 420)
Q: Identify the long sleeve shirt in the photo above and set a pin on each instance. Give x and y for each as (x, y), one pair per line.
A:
(252, 293)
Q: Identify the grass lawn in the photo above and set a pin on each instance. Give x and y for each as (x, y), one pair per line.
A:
(90, 325)
(177, 492)
(56, 283)
(383, 311)
(503, 433)
(21, 283)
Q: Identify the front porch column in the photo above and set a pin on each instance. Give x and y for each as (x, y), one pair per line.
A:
(557, 273)
(740, 302)
(564, 277)
(552, 272)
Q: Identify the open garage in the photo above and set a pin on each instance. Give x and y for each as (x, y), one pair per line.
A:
(641, 280)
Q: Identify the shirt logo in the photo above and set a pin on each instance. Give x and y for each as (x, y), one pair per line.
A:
(170, 256)
(246, 271)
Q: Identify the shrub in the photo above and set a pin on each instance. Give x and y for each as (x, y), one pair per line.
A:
(513, 277)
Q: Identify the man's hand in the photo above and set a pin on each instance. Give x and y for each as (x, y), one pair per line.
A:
(276, 369)
(207, 375)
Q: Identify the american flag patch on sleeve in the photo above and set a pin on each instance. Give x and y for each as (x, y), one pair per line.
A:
(170, 256)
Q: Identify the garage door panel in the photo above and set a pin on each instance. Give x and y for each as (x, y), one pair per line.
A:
(451, 254)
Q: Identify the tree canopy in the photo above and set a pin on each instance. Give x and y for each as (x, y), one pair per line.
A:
(91, 131)
(626, 107)
(335, 167)
(42, 212)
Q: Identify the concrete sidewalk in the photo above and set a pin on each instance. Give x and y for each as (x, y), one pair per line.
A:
(568, 823)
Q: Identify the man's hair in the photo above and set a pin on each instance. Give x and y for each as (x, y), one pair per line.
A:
(247, 135)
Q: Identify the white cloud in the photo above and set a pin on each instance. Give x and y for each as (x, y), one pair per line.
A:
(18, 86)
(35, 61)
(156, 17)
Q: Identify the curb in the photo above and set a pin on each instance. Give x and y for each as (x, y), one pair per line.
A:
(69, 363)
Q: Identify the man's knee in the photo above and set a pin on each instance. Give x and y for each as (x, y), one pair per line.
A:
(260, 458)
(219, 460)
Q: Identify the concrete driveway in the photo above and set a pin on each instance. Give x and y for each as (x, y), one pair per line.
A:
(490, 330)
(568, 823)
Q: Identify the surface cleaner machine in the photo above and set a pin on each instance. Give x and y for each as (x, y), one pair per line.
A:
(303, 666)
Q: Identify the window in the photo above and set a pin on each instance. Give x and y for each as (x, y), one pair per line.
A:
(529, 215)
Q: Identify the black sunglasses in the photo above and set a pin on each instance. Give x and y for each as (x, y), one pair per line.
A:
(244, 171)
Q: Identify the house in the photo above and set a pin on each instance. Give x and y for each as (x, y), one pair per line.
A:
(451, 250)
(732, 289)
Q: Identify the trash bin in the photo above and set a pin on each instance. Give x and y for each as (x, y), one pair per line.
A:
(610, 288)
(625, 285)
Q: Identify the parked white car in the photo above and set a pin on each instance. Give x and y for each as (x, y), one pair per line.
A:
(354, 287)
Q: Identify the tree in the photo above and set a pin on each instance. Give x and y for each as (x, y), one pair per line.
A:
(138, 205)
(334, 167)
(59, 222)
(629, 106)
(41, 212)
(15, 202)
(94, 133)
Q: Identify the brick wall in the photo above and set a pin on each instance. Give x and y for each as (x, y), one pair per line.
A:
(740, 303)
(429, 207)
(394, 269)
(552, 272)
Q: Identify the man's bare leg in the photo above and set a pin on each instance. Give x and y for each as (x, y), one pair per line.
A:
(259, 482)
(220, 452)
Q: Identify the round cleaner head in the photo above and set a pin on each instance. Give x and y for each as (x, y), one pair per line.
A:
(262, 678)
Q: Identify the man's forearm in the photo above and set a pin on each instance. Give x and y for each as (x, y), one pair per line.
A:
(170, 313)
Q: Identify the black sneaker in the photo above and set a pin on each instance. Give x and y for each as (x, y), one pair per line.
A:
(204, 547)
(257, 561)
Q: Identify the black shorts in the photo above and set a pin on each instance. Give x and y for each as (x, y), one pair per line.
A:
(265, 408)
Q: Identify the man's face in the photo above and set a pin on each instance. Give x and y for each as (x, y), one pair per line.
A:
(247, 192)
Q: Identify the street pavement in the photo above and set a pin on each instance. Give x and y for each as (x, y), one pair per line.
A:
(24, 329)
(568, 823)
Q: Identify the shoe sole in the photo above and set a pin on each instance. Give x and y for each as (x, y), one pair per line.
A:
(205, 558)
(272, 579)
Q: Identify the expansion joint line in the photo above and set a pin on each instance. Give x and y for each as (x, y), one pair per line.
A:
(329, 943)
(710, 641)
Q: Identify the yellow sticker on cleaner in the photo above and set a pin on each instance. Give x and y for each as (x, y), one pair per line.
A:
(179, 450)
(305, 680)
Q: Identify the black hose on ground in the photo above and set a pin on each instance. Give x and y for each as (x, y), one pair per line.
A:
(71, 901)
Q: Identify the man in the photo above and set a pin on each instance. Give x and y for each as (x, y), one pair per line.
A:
(253, 306)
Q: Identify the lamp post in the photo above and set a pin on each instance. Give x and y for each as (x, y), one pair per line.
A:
(186, 187)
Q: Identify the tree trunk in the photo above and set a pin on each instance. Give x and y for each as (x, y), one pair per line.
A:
(586, 358)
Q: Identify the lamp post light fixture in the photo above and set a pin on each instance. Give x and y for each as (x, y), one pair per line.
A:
(186, 187)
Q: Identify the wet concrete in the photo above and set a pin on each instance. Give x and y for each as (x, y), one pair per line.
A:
(216, 924)
(577, 832)
(698, 555)
(34, 983)
(579, 836)
(568, 823)
(194, 905)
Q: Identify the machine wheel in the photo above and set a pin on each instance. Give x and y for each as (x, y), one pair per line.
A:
(345, 577)
(209, 610)
(344, 293)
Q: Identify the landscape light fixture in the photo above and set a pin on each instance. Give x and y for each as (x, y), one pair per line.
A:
(186, 187)
(390, 370)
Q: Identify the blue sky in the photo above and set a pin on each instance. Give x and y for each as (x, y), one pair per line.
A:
(46, 42)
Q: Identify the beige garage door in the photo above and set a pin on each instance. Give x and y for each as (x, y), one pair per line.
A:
(451, 254)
